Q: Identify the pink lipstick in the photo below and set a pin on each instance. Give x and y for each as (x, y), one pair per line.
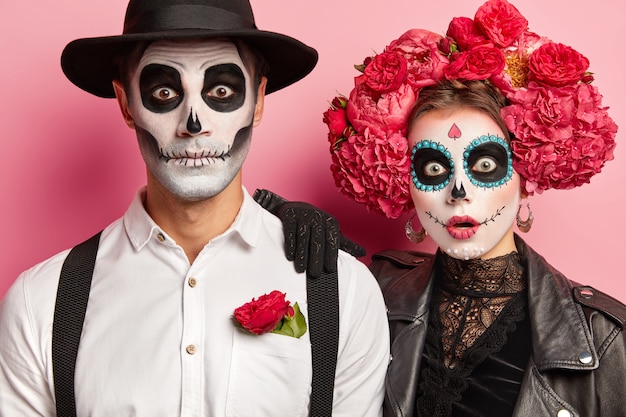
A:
(462, 227)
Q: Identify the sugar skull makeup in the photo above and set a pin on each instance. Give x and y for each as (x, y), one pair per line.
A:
(465, 190)
(193, 107)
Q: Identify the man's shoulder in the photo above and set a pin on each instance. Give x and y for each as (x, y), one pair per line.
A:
(348, 261)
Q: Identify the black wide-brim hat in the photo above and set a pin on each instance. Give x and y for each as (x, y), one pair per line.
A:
(91, 63)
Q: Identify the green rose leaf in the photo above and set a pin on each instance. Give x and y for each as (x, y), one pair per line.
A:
(294, 326)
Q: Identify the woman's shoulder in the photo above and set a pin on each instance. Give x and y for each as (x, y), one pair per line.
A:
(403, 276)
(595, 300)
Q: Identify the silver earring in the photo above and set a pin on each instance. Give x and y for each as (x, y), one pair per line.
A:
(412, 235)
(524, 225)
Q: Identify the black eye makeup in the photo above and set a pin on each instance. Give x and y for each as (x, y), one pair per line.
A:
(224, 88)
(431, 166)
(160, 88)
(487, 162)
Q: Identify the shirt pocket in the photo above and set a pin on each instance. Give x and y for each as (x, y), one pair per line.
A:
(270, 375)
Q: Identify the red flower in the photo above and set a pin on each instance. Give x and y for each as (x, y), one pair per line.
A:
(387, 112)
(561, 133)
(374, 170)
(501, 22)
(466, 33)
(479, 63)
(563, 136)
(557, 65)
(385, 72)
(425, 63)
(265, 313)
(336, 120)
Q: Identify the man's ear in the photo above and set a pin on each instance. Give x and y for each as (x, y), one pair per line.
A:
(260, 98)
(122, 101)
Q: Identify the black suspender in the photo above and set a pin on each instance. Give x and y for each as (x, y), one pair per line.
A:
(71, 305)
(323, 305)
(69, 314)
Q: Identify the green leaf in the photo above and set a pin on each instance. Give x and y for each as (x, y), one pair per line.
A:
(292, 326)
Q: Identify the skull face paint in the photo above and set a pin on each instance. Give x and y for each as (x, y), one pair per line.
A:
(192, 105)
(465, 190)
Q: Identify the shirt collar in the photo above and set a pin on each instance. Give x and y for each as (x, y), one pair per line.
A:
(140, 227)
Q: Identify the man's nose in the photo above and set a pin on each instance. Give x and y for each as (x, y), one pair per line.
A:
(193, 122)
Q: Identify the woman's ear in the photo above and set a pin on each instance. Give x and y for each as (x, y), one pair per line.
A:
(122, 101)
(523, 193)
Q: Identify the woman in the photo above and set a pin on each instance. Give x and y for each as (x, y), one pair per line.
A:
(487, 327)
(462, 129)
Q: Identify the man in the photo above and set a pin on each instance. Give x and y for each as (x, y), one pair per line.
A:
(159, 338)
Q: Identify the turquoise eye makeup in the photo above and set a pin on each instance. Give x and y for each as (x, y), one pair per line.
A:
(431, 166)
(487, 161)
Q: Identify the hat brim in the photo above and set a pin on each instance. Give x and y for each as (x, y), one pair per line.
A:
(89, 63)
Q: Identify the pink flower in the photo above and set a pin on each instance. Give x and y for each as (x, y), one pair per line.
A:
(515, 73)
(387, 112)
(561, 133)
(466, 33)
(374, 170)
(385, 72)
(478, 63)
(425, 63)
(557, 65)
(501, 22)
(563, 136)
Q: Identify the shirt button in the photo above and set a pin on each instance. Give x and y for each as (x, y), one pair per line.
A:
(192, 282)
(191, 349)
(563, 413)
(160, 237)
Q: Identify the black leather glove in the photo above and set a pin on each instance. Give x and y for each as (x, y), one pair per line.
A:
(312, 236)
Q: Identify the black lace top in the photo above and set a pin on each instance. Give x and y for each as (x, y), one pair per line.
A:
(478, 338)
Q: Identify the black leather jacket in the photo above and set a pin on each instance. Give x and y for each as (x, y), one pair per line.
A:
(578, 362)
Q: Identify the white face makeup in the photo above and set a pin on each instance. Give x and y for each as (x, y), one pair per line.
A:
(192, 105)
(465, 191)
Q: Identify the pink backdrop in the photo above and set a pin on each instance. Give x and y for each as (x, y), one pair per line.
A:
(71, 166)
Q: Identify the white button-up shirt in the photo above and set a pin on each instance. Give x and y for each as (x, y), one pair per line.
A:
(159, 339)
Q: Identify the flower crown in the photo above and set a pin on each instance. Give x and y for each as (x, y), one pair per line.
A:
(561, 134)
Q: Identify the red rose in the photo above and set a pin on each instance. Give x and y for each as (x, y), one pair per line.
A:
(265, 313)
(557, 65)
(478, 63)
(501, 22)
(385, 72)
(337, 124)
(466, 33)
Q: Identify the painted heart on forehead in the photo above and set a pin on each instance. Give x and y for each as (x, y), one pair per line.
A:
(465, 190)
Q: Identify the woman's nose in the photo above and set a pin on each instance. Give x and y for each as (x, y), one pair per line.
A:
(457, 193)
